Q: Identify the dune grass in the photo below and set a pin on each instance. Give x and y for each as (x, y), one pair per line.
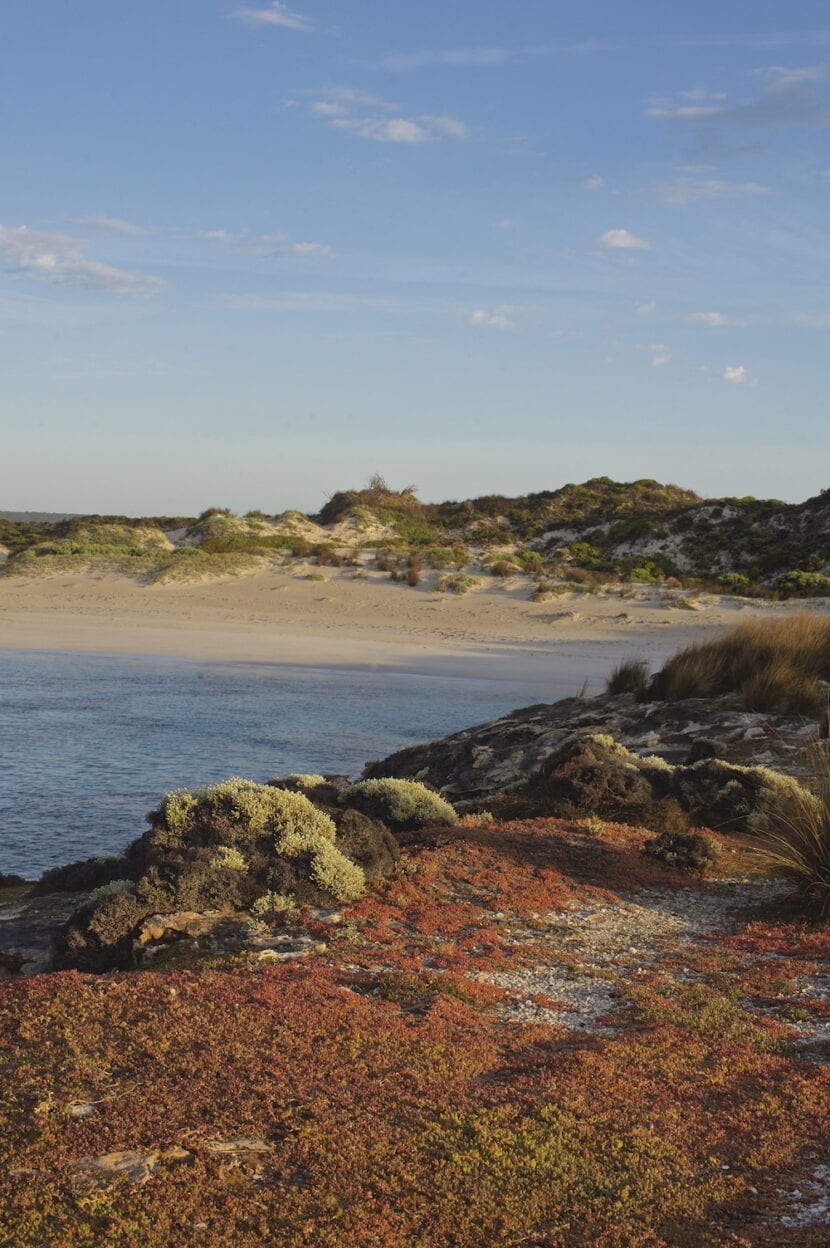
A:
(797, 845)
(783, 664)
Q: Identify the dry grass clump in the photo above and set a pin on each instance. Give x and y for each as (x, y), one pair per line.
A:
(781, 664)
(797, 842)
(630, 676)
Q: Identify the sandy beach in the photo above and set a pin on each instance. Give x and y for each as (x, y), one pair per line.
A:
(326, 617)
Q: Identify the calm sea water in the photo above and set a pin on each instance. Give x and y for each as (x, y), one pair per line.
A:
(88, 743)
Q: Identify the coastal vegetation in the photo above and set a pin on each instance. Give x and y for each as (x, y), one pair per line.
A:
(770, 664)
(599, 533)
(384, 1091)
(575, 1018)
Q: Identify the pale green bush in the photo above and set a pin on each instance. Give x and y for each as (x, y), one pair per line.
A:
(456, 583)
(256, 808)
(330, 869)
(276, 904)
(300, 780)
(114, 889)
(229, 858)
(405, 803)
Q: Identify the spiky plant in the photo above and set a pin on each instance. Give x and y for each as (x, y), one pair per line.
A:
(797, 843)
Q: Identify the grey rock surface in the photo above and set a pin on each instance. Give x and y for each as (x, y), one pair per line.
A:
(494, 757)
(27, 925)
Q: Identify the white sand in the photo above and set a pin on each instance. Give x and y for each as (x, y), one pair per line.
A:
(282, 616)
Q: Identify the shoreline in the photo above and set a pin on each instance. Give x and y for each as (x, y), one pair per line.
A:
(371, 625)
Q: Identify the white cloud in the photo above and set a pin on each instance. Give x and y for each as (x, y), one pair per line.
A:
(715, 319)
(623, 239)
(737, 375)
(789, 96)
(450, 126)
(565, 333)
(111, 225)
(700, 95)
(327, 108)
(385, 129)
(58, 259)
(497, 318)
(646, 309)
(488, 56)
(321, 250)
(264, 243)
(348, 96)
(785, 78)
(368, 117)
(243, 238)
(593, 182)
(276, 15)
(688, 190)
(660, 355)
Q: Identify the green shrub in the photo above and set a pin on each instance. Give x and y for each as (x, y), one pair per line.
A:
(530, 560)
(228, 858)
(244, 810)
(735, 582)
(803, 585)
(456, 583)
(440, 557)
(114, 889)
(299, 780)
(503, 567)
(402, 803)
(275, 904)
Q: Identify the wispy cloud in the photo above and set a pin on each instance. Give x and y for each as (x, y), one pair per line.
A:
(623, 240)
(326, 302)
(495, 55)
(275, 15)
(716, 320)
(646, 309)
(790, 95)
(58, 259)
(494, 318)
(591, 182)
(660, 355)
(109, 225)
(688, 190)
(490, 55)
(370, 117)
(276, 244)
(312, 250)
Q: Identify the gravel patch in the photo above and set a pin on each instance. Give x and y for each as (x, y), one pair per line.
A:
(599, 947)
(810, 1201)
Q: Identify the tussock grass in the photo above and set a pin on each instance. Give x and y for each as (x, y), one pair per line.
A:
(781, 664)
(630, 676)
(797, 844)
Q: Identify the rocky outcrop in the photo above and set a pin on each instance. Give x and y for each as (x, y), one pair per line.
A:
(27, 927)
(502, 755)
(594, 775)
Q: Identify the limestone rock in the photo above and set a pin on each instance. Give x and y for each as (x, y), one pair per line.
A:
(495, 757)
(110, 1167)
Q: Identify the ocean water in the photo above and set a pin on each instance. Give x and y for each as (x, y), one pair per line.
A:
(89, 743)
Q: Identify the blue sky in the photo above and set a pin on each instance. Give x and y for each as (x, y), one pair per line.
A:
(252, 252)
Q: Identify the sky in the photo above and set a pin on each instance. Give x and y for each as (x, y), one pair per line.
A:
(252, 252)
